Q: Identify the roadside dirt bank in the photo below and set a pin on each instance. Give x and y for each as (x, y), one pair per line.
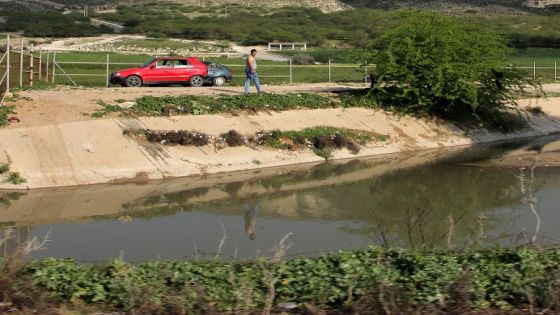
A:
(79, 150)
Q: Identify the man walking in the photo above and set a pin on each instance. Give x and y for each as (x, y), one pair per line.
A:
(251, 72)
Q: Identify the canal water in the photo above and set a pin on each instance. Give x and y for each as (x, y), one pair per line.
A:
(504, 194)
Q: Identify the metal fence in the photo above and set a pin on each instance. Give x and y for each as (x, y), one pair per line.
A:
(553, 70)
(97, 73)
(21, 65)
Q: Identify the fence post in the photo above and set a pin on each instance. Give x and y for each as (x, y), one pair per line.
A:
(107, 77)
(291, 73)
(365, 77)
(21, 62)
(47, 65)
(40, 64)
(555, 71)
(31, 61)
(329, 71)
(53, 67)
(534, 70)
(7, 64)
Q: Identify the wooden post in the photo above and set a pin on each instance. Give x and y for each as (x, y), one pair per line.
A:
(291, 77)
(47, 72)
(7, 64)
(329, 71)
(107, 77)
(21, 63)
(40, 64)
(534, 70)
(31, 61)
(53, 67)
(365, 77)
(555, 71)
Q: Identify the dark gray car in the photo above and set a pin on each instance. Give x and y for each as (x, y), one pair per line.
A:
(217, 74)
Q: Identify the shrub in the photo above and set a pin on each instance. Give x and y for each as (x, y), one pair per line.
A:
(233, 138)
(438, 65)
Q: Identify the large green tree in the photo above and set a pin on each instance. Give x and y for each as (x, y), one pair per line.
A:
(432, 64)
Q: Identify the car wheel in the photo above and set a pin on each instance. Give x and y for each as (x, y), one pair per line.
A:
(133, 81)
(196, 80)
(219, 81)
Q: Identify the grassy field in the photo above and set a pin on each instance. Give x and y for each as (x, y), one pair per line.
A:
(544, 60)
(273, 72)
(270, 72)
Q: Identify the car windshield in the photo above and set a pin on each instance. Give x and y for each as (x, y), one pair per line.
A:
(149, 62)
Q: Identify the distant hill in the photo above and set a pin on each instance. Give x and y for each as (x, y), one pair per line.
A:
(456, 7)
(40, 5)
(460, 7)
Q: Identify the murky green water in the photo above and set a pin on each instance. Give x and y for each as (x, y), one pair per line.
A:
(447, 198)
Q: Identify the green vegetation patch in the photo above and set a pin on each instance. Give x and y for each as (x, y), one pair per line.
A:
(197, 105)
(105, 110)
(5, 110)
(350, 28)
(13, 178)
(440, 281)
(322, 140)
(202, 105)
(50, 24)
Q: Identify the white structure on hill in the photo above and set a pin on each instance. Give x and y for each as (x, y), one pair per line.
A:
(541, 3)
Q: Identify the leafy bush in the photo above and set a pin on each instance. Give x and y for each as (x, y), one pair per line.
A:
(437, 65)
(497, 278)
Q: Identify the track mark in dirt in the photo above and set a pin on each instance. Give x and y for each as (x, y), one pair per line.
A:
(405, 140)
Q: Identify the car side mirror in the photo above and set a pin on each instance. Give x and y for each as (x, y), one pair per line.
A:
(152, 67)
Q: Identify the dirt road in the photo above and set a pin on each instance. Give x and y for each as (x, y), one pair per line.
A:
(62, 105)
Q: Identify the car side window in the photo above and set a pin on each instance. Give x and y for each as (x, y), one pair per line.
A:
(182, 63)
(164, 63)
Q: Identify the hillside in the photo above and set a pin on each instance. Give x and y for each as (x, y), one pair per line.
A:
(459, 7)
(40, 5)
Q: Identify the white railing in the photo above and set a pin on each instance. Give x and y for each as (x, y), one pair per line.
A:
(287, 45)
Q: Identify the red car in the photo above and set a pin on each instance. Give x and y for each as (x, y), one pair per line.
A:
(164, 70)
